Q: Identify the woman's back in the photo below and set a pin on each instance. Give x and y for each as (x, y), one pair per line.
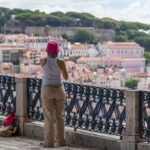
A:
(51, 72)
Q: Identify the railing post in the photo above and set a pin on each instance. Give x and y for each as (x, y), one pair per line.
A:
(21, 102)
(132, 133)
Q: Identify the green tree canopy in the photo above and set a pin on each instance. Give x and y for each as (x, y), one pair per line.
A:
(58, 14)
(76, 18)
(144, 41)
(131, 83)
(47, 29)
(65, 36)
(121, 38)
(147, 57)
(84, 35)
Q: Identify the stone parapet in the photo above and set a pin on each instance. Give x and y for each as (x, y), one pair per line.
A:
(21, 102)
(132, 134)
(80, 137)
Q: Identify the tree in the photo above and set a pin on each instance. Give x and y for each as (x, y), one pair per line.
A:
(47, 30)
(53, 20)
(5, 15)
(57, 13)
(144, 41)
(110, 23)
(64, 36)
(67, 21)
(147, 57)
(84, 35)
(121, 38)
(132, 34)
(17, 11)
(131, 83)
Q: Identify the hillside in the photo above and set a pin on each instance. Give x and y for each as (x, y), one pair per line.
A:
(125, 31)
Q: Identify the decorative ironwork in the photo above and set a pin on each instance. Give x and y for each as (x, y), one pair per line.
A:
(7, 94)
(86, 107)
(145, 114)
(95, 109)
(34, 103)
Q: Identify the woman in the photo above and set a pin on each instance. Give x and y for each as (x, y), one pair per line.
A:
(53, 95)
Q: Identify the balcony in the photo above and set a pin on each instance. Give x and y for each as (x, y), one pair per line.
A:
(104, 118)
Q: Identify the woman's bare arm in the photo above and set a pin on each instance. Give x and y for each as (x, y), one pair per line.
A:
(62, 66)
(43, 61)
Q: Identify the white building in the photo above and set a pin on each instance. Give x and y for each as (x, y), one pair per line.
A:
(131, 64)
(79, 74)
(13, 38)
(144, 81)
(35, 55)
(65, 51)
(78, 49)
(123, 49)
(33, 42)
(90, 62)
(110, 78)
(143, 84)
(12, 52)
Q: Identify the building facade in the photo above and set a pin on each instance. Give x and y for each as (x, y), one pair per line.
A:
(12, 52)
(121, 49)
(78, 50)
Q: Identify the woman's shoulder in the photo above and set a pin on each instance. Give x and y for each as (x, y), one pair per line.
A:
(60, 60)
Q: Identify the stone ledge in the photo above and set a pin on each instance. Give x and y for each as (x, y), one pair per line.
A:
(80, 137)
(2, 118)
(143, 146)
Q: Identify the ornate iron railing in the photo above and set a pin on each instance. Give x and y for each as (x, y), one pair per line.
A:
(34, 103)
(86, 107)
(96, 109)
(7, 94)
(145, 114)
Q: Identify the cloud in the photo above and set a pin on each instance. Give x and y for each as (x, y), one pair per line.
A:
(135, 10)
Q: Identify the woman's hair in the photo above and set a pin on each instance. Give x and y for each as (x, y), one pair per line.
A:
(53, 54)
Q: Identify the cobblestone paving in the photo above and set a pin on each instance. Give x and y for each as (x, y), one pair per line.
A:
(25, 143)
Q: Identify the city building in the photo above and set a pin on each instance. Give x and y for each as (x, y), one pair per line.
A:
(12, 52)
(90, 62)
(144, 81)
(110, 77)
(27, 67)
(13, 38)
(79, 74)
(35, 55)
(36, 42)
(131, 64)
(78, 50)
(6, 68)
(121, 49)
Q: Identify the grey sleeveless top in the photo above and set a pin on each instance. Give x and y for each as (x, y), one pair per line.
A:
(51, 72)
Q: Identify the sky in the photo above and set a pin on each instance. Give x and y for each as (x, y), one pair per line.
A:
(127, 10)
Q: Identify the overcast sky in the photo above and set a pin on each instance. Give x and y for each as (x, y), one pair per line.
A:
(128, 10)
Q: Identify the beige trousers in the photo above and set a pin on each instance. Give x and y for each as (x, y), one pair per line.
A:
(53, 100)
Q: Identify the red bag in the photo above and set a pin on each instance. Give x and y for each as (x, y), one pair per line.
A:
(10, 119)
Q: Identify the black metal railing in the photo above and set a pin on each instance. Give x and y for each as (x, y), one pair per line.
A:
(145, 114)
(86, 107)
(7, 94)
(34, 103)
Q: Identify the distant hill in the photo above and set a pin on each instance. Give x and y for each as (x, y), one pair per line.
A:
(125, 31)
(69, 19)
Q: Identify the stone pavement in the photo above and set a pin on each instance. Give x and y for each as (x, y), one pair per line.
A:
(25, 143)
